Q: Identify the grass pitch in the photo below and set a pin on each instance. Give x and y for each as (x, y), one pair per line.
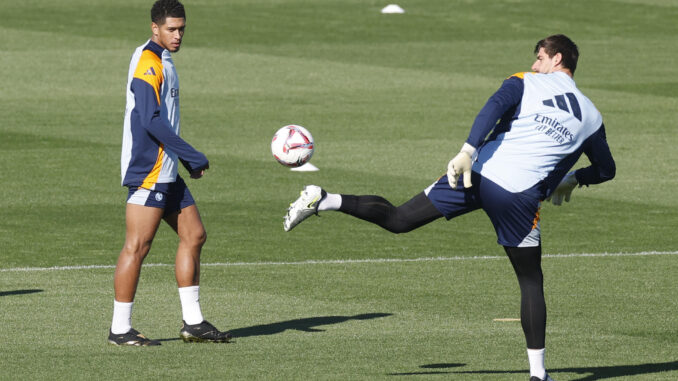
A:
(352, 320)
(389, 99)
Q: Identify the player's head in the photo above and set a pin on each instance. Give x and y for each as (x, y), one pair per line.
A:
(556, 53)
(168, 21)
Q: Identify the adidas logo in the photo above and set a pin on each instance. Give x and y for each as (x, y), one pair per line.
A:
(150, 71)
(561, 103)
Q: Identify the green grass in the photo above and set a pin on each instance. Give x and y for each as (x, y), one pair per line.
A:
(389, 99)
(353, 321)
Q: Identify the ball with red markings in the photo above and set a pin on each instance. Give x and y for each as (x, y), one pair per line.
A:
(292, 146)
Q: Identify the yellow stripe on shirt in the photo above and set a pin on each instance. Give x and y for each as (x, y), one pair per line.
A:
(520, 75)
(149, 70)
(152, 176)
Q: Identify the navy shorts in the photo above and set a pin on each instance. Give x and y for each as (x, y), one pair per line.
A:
(515, 216)
(174, 198)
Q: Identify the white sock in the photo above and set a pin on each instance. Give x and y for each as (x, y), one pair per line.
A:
(190, 304)
(122, 317)
(536, 357)
(332, 201)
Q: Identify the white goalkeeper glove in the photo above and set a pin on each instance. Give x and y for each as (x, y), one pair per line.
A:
(461, 165)
(564, 190)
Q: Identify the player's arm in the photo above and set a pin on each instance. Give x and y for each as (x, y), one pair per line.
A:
(509, 95)
(602, 168)
(148, 107)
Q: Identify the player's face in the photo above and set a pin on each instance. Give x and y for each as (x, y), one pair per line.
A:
(545, 64)
(169, 34)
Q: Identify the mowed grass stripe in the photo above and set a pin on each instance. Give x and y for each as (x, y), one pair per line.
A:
(348, 261)
(367, 321)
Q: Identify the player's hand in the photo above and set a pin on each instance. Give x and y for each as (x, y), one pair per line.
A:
(461, 165)
(564, 190)
(199, 173)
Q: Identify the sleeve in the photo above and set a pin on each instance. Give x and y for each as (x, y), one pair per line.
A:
(148, 107)
(602, 166)
(509, 94)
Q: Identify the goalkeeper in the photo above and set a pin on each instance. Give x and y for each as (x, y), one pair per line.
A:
(518, 153)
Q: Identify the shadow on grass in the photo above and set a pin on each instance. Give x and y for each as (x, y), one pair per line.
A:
(170, 339)
(304, 325)
(590, 373)
(430, 366)
(18, 292)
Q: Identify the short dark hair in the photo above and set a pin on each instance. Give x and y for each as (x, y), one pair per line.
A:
(560, 43)
(162, 9)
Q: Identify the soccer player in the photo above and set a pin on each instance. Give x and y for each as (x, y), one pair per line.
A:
(151, 149)
(519, 151)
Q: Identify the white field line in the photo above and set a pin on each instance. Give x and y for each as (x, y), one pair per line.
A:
(348, 261)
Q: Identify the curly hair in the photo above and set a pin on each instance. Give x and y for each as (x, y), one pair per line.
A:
(162, 9)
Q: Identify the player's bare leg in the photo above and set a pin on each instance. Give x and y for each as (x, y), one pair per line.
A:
(141, 225)
(192, 236)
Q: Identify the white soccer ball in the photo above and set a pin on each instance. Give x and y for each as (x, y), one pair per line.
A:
(292, 146)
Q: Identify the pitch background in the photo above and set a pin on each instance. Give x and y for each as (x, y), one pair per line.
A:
(389, 99)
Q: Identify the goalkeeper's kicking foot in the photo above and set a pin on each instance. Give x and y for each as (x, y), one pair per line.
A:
(203, 333)
(304, 206)
(131, 338)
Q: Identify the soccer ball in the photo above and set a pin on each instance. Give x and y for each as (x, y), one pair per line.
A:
(292, 146)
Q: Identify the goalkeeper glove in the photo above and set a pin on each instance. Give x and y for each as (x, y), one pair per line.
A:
(461, 164)
(564, 190)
